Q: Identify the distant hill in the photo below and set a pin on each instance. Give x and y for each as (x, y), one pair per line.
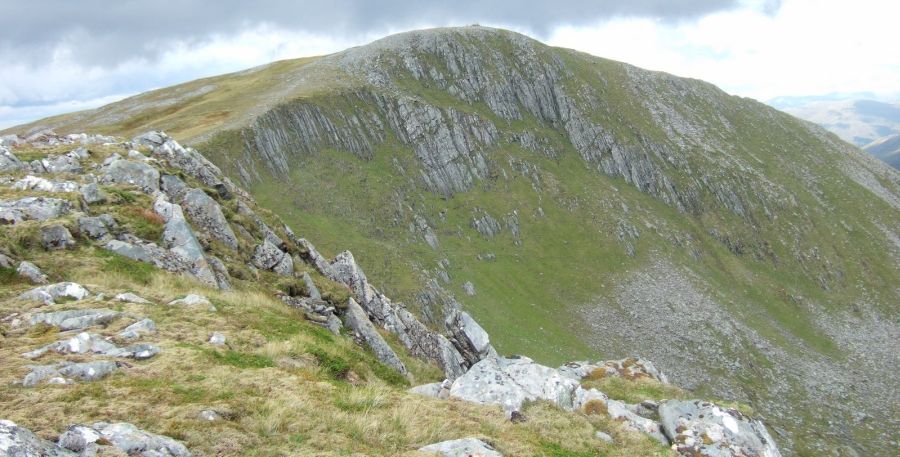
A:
(858, 121)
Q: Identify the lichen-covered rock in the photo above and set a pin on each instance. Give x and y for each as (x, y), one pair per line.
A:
(217, 339)
(699, 428)
(186, 159)
(92, 194)
(267, 255)
(137, 329)
(357, 321)
(472, 341)
(16, 441)
(32, 208)
(44, 185)
(206, 214)
(139, 174)
(439, 390)
(181, 241)
(50, 293)
(76, 319)
(466, 447)
(125, 437)
(174, 187)
(66, 372)
(621, 412)
(6, 261)
(510, 382)
(96, 227)
(56, 237)
(311, 290)
(62, 164)
(191, 300)
(31, 272)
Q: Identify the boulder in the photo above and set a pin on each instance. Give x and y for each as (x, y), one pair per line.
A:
(129, 297)
(6, 261)
(50, 293)
(466, 447)
(357, 321)
(217, 339)
(206, 214)
(469, 288)
(208, 415)
(174, 187)
(469, 338)
(9, 161)
(186, 159)
(84, 343)
(76, 319)
(191, 300)
(16, 441)
(135, 330)
(621, 412)
(440, 390)
(44, 185)
(125, 437)
(511, 382)
(31, 272)
(92, 194)
(66, 372)
(138, 174)
(700, 428)
(267, 255)
(62, 164)
(32, 208)
(79, 153)
(56, 237)
(311, 289)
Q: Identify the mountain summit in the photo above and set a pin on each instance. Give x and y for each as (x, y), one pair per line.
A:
(576, 205)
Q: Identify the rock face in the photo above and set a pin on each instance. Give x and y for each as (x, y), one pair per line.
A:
(357, 320)
(699, 428)
(466, 447)
(181, 241)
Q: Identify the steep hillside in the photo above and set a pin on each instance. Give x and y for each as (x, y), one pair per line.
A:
(577, 205)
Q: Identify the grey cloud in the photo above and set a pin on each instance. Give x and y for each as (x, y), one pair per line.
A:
(101, 32)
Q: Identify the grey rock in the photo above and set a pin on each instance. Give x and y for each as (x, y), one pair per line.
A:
(622, 412)
(174, 187)
(311, 288)
(84, 343)
(206, 214)
(313, 257)
(603, 436)
(510, 382)
(62, 164)
(6, 261)
(267, 232)
(95, 227)
(91, 193)
(267, 256)
(220, 271)
(32, 273)
(9, 161)
(333, 324)
(186, 159)
(68, 371)
(701, 428)
(217, 339)
(143, 251)
(208, 415)
(469, 288)
(76, 319)
(181, 241)
(32, 208)
(44, 185)
(466, 447)
(50, 293)
(469, 338)
(486, 225)
(629, 368)
(17, 441)
(135, 330)
(125, 437)
(112, 158)
(132, 154)
(191, 300)
(55, 237)
(79, 153)
(357, 320)
(439, 390)
(139, 174)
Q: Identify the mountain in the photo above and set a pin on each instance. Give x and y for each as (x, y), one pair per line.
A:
(578, 206)
(856, 120)
(886, 149)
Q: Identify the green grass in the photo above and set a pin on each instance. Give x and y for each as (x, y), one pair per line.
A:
(240, 359)
(9, 276)
(139, 272)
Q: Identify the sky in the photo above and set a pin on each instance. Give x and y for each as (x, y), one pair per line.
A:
(60, 55)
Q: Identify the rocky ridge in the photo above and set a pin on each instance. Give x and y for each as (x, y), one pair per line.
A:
(191, 240)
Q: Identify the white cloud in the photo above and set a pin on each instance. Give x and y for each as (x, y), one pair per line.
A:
(808, 47)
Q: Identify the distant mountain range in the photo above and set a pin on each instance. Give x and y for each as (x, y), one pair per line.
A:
(870, 124)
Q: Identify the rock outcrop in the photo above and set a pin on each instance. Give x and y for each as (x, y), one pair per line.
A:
(465, 447)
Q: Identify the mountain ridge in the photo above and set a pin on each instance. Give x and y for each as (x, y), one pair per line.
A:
(480, 155)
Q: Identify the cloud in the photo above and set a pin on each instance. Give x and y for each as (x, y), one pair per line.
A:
(100, 32)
